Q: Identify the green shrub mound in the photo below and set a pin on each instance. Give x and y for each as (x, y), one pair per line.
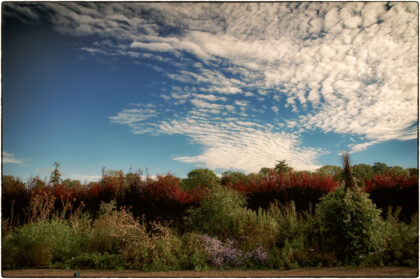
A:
(402, 240)
(40, 244)
(351, 226)
(222, 213)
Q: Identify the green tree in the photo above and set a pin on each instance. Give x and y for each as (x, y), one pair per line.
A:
(379, 167)
(35, 182)
(232, 177)
(253, 176)
(282, 166)
(114, 179)
(264, 172)
(399, 170)
(335, 171)
(55, 175)
(348, 175)
(72, 183)
(362, 172)
(204, 178)
(413, 171)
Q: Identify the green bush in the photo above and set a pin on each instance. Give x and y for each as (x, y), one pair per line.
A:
(351, 226)
(401, 241)
(40, 244)
(222, 213)
(165, 250)
(193, 255)
(291, 235)
(95, 261)
(297, 242)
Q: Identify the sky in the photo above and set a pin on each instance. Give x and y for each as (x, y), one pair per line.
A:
(171, 87)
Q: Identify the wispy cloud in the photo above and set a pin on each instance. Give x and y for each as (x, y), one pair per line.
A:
(133, 115)
(11, 158)
(240, 145)
(361, 146)
(348, 68)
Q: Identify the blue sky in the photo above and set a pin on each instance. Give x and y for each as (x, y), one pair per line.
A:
(227, 86)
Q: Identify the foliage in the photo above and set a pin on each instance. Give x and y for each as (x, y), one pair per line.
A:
(72, 184)
(349, 182)
(113, 229)
(402, 240)
(55, 178)
(330, 170)
(302, 187)
(40, 244)
(15, 198)
(41, 205)
(117, 232)
(264, 172)
(379, 167)
(128, 221)
(351, 225)
(222, 213)
(282, 166)
(193, 252)
(232, 177)
(394, 190)
(298, 239)
(203, 178)
(95, 261)
(221, 254)
(362, 172)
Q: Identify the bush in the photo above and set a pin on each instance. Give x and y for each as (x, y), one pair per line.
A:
(221, 254)
(402, 241)
(303, 188)
(113, 230)
(158, 200)
(193, 252)
(297, 242)
(40, 244)
(203, 178)
(395, 190)
(222, 214)
(14, 199)
(117, 232)
(95, 261)
(351, 225)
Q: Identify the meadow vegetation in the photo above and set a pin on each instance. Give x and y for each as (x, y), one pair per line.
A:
(278, 218)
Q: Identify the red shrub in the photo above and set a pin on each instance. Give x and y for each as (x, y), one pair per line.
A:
(63, 193)
(394, 190)
(304, 188)
(166, 188)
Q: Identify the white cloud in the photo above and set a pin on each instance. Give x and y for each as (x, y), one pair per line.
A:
(203, 104)
(361, 146)
(241, 146)
(11, 158)
(241, 103)
(134, 115)
(211, 97)
(349, 68)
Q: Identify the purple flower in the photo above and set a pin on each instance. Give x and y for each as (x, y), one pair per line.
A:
(220, 254)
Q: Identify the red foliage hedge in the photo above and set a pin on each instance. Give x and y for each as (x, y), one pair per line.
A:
(303, 188)
(164, 199)
(394, 190)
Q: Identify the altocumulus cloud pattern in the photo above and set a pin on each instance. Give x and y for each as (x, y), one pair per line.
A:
(250, 78)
